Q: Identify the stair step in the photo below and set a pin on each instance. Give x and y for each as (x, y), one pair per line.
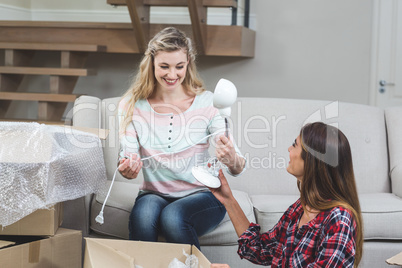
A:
(46, 97)
(52, 46)
(178, 3)
(45, 71)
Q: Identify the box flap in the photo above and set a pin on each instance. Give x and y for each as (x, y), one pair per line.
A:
(396, 260)
(98, 254)
(64, 249)
(146, 254)
(203, 262)
(5, 243)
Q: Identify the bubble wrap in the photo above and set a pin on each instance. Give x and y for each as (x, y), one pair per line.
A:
(41, 165)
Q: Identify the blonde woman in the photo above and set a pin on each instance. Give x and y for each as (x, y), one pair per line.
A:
(321, 229)
(168, 114)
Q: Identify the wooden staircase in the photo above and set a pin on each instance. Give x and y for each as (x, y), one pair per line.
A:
(51, 105)
(75, 40)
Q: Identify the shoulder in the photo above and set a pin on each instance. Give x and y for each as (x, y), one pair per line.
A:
(205, 97)
(125, 101)
(339, 218)
(204, 101)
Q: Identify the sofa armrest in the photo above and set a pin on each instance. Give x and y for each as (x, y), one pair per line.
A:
(396, 176)
(87, 112)
(76, 214)
(393, 117)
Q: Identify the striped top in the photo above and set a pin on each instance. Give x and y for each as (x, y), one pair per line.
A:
(182, 137)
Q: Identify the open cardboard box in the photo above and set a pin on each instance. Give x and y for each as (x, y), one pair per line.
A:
(63, 250)
(41, 222)
(395, 260)
(107, 253)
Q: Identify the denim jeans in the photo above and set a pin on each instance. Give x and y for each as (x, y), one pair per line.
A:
(179, 220)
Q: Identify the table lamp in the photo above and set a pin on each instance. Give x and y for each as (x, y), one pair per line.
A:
(225, 95)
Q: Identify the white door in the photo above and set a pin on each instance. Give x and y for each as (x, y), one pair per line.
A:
(386, 81)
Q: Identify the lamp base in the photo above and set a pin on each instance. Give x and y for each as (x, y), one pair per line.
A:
(205, 177)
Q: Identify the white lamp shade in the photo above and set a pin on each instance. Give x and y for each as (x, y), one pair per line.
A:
(225, 95)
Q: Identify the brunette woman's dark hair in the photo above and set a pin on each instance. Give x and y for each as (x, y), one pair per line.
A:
(328, 179)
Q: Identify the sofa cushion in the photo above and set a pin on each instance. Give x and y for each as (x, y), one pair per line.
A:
(224, 233)
(378, 211)
(269, 209)
(117, 209)
(121, 201)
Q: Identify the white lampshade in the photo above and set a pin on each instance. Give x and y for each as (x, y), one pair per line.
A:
(225, 95)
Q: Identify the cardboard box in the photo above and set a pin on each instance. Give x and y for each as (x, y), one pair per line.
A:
(42, 222)
(63, 250)
(107, 253)
(396, 260)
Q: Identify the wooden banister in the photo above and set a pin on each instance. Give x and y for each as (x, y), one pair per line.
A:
(198, 16)
(139, 14)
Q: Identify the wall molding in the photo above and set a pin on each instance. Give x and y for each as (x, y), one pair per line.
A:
(8, 12)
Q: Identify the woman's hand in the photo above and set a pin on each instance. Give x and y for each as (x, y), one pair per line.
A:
(218, 265)
(130, 167)
(225, 151)
(226, 154)
(224, 193)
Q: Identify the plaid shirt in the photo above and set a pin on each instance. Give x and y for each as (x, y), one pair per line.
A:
(326, 241)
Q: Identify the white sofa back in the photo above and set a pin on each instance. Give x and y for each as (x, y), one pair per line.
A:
(264, 128)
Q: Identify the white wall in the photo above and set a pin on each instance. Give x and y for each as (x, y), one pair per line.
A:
(311, 49)
(17, 3)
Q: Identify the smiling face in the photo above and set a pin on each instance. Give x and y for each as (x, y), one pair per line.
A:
(296, 163)
(170, 69)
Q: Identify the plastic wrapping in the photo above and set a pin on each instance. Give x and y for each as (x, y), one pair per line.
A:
(191, 262)
(41, 165)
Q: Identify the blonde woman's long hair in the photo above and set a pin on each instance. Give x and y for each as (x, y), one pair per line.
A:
(328, 180)
(168, 40)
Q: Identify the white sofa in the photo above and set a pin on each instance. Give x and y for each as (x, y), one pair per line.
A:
(263, 129)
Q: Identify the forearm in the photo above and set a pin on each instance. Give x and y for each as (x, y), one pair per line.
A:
(237, 216)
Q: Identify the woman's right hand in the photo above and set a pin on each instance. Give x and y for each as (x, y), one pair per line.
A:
(223, 193)
(130, 167)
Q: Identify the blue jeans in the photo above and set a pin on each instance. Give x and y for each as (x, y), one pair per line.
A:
(179, 220)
